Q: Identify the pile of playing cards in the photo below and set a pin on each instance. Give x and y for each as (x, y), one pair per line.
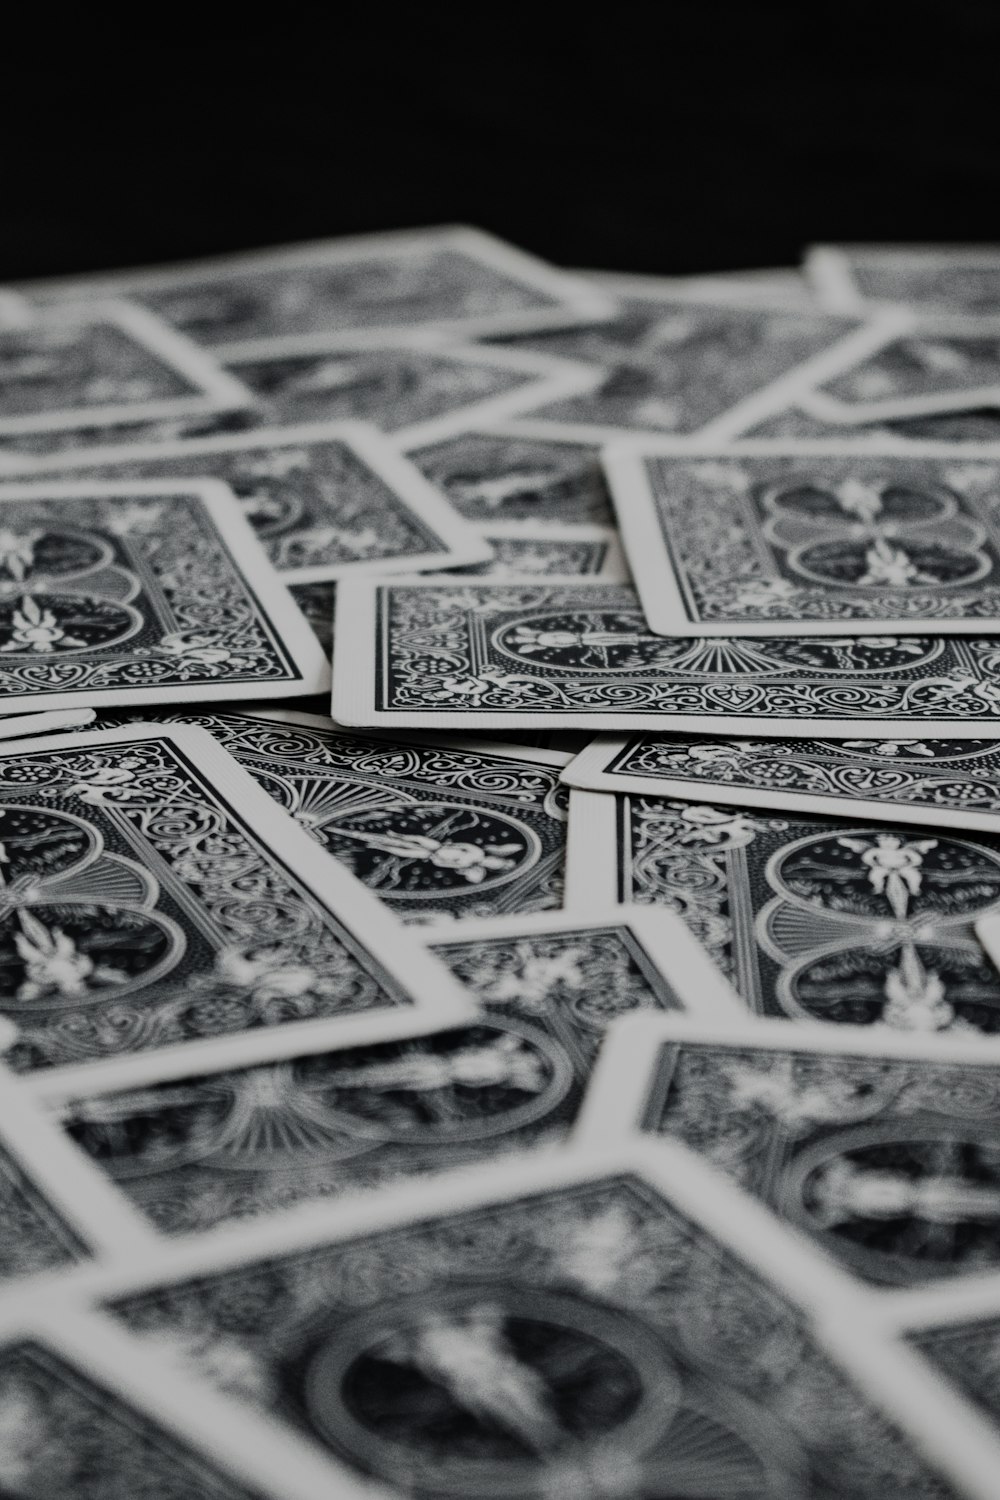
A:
(362, 1134)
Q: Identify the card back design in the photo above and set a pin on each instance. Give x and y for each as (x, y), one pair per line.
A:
(537, 1356)
(140, 593)
(675, 362)
(886, 1162)
(581, 654)
(816, 918)
(70, 1437)
(454, 278)
(822, 538)
(81, 367)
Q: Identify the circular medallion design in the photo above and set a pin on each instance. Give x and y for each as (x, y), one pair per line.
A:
(428, 849)
(880, 875)
(473, 1388)
(60, 957)
(900, 1201)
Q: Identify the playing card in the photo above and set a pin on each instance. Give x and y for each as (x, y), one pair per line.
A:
(628, 1323)
(687, 359)
(141, 592)
(812, 918)
(433, 827)
(915, 373)
(155, 896)
(948, 783)
(523, 549)
(55, 1209)
(323, 500)
(88, 1415)
(826, 539)
(449, 278)
(192, 1149)
(91, 365)
(581, 655)
(415, 388)
(517, 472)
(934, 281)
(882, 1148)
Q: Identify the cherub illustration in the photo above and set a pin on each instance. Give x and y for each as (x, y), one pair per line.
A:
(471, 861)
(894, 866)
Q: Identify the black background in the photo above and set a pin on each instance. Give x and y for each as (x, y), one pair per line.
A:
(666, 138)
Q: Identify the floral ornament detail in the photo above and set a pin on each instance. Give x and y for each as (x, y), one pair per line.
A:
(17, 551)
(53, 962)
(474, 688)
(37, 629)
(891, 747)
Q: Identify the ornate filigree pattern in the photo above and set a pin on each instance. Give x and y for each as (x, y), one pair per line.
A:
(432, 831)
